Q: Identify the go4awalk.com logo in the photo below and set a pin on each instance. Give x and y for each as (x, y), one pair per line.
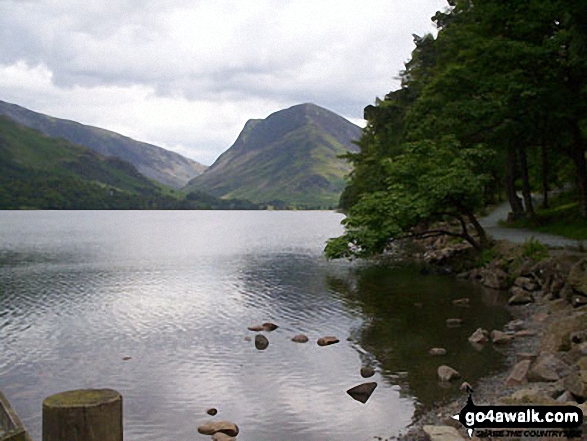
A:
(521, 421)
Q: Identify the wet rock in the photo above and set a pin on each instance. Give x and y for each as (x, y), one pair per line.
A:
(226, 427)
(519, 374)
(127, 358)
(301, 338)
(500, 337)
(442, 433)
(495, 278)
(212, 411)
(446, 373)
(480, 336)
(520, 297)
(462, 302)
(261, 342)
(256, 328)
(367, 372)
(437, 351)
(576, 383)
(454, 322)
(362, 392)
(326, 341)
(548, 368)
(270, 326)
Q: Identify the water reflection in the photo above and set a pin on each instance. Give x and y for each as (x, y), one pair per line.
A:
(406, 316)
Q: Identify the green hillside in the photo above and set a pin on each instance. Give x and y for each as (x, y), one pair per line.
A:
(154, 162)
(290, 159)
(41, 172)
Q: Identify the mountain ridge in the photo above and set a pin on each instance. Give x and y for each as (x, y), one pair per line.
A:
(154, 162)
(292, 157)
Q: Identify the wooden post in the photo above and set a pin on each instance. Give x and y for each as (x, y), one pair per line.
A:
(83, 415)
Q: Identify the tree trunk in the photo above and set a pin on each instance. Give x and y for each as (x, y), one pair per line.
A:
(526, 190)
(545, 175)
(580, 169)
(510, 183)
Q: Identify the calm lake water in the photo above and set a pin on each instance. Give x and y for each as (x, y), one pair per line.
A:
(79, 291)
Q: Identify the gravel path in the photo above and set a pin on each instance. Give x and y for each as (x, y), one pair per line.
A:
(520, 235)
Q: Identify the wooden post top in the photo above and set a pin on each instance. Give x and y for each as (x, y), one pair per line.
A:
(82, 398)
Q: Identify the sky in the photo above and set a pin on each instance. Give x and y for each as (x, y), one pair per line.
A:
(186, 75)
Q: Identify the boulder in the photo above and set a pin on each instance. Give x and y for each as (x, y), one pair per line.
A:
(226, 427)
(516, 325)
(520, 297)
(548, 368)
(442, 433)
(480, 336)
(270, 326)
(367, 372)
(326, 341)
(437, 351)
(557, 335)
(301, 338)
(446, 373)
(526, 283)
(578, 276)
(576, 383)
(500, 337)
(212, 411)
(362, 392)
(495, 278)
(261, 342)
(519, 374)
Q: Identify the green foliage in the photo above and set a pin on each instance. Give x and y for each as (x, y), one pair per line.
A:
(428, 182)
(534, 249)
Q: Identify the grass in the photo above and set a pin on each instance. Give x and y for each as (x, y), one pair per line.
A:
(561, 218)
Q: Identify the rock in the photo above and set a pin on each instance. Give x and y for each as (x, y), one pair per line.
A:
(219, 436)
(516, 325)
(500, 337)
(526, 356)
(526, 283)
(127, 358)
(367, 372)
(437, 351)
(565, 397)
(270, 326)
(462, 302)
(326, 341)
(480, 336)
(247, 338)
(301, 338)
(520, 297)
(576, 353)
(557, 305)
(525, 333)
(212, 411)
(442, 433)
(547, 367)
(225, 427)
(578, 276)
(362, 392)
(454, 322)
(495, 278)
(264, 327)
(261, 342)
(576, 383)
(519, 374)
(534, 395)
(446, 373)
(578, 300)
(557, 335)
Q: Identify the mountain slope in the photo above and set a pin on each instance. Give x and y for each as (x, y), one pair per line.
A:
(154, 162)
(41, 172)
(288, 159)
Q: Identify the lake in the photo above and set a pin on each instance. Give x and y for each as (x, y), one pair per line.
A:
(176, 290)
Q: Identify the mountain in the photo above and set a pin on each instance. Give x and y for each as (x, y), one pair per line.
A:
(291, 158)
(41, 172)
(154, 162)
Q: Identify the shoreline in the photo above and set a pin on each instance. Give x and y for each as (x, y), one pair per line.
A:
(548, 304)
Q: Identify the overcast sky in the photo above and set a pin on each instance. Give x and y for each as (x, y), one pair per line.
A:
(187, 74)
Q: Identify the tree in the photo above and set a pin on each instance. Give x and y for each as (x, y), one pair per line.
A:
(428, 182)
